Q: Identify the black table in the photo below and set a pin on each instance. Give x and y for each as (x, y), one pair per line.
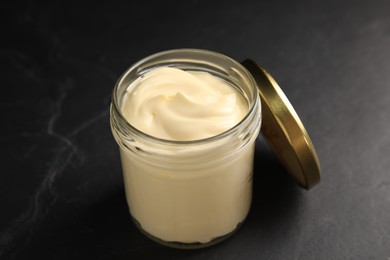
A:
(61, 187)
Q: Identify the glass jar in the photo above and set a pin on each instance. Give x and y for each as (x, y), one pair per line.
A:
(189, 194)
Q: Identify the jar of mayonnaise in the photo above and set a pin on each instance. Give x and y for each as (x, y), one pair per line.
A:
(186, 122)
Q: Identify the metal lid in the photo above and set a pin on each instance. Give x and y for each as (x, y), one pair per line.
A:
(284, 131)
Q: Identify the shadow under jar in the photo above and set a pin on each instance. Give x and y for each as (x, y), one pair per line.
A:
(188, 194)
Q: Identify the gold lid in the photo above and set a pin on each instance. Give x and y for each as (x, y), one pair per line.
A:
(284, 131)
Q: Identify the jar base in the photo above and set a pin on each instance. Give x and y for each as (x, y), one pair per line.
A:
(181, 245)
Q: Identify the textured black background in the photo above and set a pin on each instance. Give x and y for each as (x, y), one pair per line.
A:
(61, 189)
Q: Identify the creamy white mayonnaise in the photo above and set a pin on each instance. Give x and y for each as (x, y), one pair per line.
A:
(192, 203)
(173, 104)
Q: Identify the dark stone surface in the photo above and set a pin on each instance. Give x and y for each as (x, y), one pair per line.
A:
(61, 189)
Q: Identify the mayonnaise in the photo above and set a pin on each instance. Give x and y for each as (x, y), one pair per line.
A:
(179, 105)
(183, 188)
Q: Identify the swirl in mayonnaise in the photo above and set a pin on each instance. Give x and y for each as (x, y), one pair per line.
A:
(174, 104)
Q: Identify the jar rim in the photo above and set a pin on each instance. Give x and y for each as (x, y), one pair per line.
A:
(248, 75)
